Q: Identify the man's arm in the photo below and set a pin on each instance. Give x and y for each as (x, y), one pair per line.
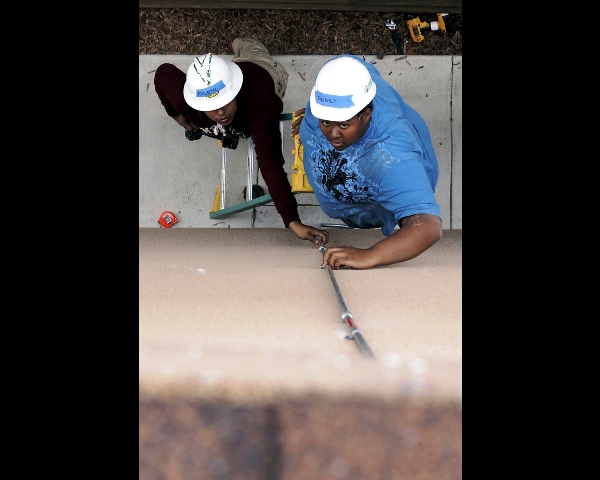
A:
(168, 84)
(418, 233)
(269, 156)
(181, 120)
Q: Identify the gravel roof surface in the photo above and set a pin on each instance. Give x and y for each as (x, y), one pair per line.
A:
(190, 31)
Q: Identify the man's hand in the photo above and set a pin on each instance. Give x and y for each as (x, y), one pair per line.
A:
(193, 135)
(418, 233)
(191, 131)
(296, 123)
(339, 257)
(306, 232)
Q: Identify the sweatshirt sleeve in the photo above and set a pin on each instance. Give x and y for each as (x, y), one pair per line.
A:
(167, 77)
(267, 144)
(168, 84)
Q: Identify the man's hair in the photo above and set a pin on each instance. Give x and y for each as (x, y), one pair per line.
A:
(368, 105)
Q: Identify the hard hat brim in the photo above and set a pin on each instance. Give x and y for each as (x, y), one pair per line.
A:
(340, 114)
(204, 104)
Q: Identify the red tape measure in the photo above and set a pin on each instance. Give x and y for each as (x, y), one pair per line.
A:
(167, 219)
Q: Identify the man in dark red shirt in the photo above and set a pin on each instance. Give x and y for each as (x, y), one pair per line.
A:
(242, 97)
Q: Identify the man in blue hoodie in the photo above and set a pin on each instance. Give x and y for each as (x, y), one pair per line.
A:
(369, 158)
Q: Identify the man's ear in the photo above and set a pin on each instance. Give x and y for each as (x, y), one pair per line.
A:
(367, 114)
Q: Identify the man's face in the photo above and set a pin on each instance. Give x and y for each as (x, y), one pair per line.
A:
(223, 115)
(343, 134)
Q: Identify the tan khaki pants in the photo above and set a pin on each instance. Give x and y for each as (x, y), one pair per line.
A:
(247, 49)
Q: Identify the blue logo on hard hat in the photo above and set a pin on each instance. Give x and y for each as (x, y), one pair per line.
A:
(333, 101)
(211, 91)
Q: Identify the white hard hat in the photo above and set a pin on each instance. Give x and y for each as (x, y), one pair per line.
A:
(211, 83)
(342, 89)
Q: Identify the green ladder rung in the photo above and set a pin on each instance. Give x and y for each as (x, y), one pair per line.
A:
(242, 207)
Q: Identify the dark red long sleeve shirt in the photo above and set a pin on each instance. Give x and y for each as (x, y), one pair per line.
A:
(257, 116)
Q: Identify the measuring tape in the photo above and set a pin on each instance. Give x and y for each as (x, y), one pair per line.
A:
(167, 219)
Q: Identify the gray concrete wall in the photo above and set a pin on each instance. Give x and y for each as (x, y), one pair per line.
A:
(182, 176)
